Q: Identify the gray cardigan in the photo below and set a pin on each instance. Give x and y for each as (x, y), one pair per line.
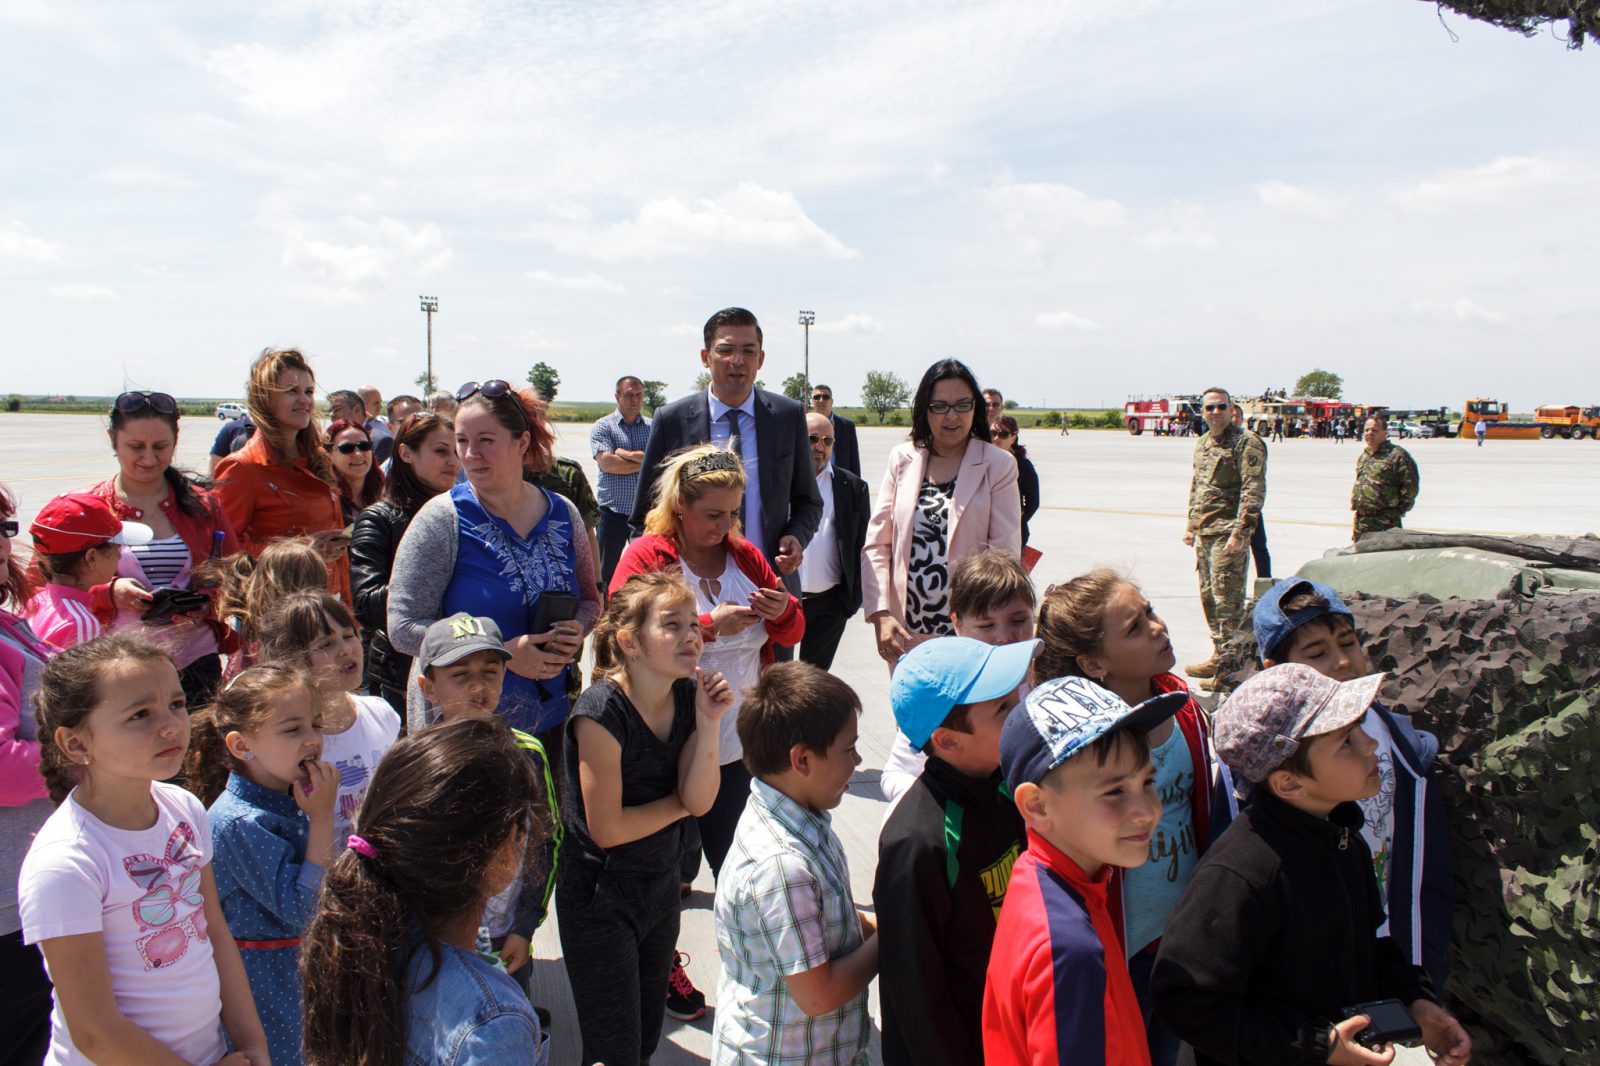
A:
(423, 566)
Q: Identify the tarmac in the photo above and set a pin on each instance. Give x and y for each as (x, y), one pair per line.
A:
(1108, 499)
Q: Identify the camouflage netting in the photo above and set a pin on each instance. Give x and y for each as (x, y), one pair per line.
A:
(1511, 687)
(1528, 17)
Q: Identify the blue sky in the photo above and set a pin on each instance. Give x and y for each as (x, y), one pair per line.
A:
(1083, 199)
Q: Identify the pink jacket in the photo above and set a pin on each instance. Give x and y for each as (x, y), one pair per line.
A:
(62, 616)
(985, 512)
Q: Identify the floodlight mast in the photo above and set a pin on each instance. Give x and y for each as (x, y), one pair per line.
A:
(430, 304)
(807, 319)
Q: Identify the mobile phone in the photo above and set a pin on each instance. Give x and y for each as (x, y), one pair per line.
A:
(167, 602)
(553, 607)
(1388, 1023)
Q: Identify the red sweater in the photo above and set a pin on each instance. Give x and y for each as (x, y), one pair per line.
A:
(654, 552)
(1058, 989)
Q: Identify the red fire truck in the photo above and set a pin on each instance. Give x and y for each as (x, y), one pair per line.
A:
(1147, 412)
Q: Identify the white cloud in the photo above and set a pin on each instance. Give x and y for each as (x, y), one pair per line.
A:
(1189, 228)
(1058, 320)
(854, 322)
(1497, 184)
(1298, 201)
(376, 251)
(81, 292)
(1041, 216)
(143, 177)
(590, 282)
(17, 243)
(683, 329)
(534, 341)
(1462, 310)
(749, 217)
(163, 272)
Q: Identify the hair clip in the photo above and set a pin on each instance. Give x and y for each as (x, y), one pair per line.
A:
(715, 462)
(360, 846)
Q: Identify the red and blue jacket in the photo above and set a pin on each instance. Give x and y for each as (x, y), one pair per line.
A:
(1058, 988)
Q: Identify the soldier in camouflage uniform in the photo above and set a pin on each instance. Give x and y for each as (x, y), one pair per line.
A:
(1386, 482)
(1225, 498)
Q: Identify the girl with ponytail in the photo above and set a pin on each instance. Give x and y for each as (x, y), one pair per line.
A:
(389, 963)
(255, 758)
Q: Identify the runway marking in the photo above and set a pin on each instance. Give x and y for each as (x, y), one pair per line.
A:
(1281, 521)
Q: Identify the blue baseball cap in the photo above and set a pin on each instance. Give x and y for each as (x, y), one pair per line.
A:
(1273, 627)
(1065, 715)
(937, 675)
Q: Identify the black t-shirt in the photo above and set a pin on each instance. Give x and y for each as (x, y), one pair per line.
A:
(649, 773)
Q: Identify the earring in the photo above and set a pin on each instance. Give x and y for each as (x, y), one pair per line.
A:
(249, 755)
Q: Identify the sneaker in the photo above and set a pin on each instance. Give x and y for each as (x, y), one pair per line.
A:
(684, 1001)
(1205, 669)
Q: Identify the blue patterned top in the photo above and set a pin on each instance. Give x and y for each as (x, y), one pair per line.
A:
(268, 892)
(500, 575)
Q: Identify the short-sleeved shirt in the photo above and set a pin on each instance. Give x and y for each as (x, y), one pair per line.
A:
(618, 491)
(232, 436)
(784, 907)
(140, 890)
(649, 773)
(355, 753)
(1150, 892)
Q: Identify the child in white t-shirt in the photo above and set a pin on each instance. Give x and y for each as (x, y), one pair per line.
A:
(317, 632)
(117, 888)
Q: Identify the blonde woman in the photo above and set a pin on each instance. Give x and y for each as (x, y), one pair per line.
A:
(281, 484)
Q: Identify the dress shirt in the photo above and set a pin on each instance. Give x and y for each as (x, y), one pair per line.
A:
(819, 567)
(749, 452)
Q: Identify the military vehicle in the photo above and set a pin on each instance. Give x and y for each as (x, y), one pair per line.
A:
(1493, 645)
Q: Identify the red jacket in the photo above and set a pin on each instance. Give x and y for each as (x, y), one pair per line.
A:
(1058, 989)
(267, 501)
(654, 552)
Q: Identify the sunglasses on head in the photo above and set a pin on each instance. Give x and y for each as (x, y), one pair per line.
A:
(351, 446)
(821, 440)
(492, 389)
(160, 402)
(9, 528)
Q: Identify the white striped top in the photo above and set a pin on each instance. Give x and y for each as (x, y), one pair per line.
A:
(162, 560)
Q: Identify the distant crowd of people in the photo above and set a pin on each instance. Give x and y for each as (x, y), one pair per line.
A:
(299, 756)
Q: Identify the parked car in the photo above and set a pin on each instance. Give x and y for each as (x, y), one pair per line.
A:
(1407, 428)
(227, 412)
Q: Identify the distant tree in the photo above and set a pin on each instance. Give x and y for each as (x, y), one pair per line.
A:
(655, 394)
(1320, 383)
(544, 377)
(884, 392)
(13, 402)
(1012, 405)
(794, 387)
(428, 383)
(702, 381)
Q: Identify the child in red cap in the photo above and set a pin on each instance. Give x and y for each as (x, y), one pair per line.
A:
(77, 542)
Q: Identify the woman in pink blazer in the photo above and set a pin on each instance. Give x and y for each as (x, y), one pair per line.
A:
(946, 494)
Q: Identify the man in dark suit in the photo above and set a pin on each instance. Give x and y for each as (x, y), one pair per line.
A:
(830, 575)
(846, 452)
(768, 430)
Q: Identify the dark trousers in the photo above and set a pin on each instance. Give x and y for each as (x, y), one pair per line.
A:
(1258, 549)
(613, 538)
(825, 622)
(1164, 1047)
(711, 834)
(618, 935)
(25, 991)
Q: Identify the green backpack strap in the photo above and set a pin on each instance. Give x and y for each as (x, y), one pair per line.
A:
(953, 814)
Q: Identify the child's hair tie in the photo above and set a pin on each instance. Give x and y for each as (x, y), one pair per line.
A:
(360, 846)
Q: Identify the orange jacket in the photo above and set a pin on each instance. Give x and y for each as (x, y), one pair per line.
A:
(266, 500)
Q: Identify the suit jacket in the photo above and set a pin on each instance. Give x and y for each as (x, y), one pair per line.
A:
(846, 450)
(986, 512)
(790, 503)
(852, 506)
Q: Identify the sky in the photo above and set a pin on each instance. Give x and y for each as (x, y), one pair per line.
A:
(1084, 200)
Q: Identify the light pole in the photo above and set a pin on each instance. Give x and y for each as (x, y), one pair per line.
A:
(430, 304)
(807, 318)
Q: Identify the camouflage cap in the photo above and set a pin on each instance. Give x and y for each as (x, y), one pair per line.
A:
(1267, 717)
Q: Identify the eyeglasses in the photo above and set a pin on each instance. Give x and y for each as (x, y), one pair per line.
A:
(1213, 407)
(10, 528)
(492, 389)
(1001, 434)
(749, 351)
(822, 395)
(940, 408)
(129, 402)
(821, 440)
(348, 447)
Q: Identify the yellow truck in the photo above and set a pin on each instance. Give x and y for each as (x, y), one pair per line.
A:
(1568, 421)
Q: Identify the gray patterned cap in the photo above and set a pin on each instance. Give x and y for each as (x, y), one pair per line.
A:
(1267, 717)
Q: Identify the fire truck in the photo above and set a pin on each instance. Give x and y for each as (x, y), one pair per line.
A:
(1147, 412)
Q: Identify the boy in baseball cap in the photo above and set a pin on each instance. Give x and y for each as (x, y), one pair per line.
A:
(1305, 622)
(77, 544)
(1275, 938)
(461, 668)
(1077, 760)
(946, 851)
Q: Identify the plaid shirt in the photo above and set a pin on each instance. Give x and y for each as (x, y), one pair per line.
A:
(783, 907)
(617, 491)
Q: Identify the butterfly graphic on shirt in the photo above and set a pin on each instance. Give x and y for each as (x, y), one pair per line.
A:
(172, 907)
